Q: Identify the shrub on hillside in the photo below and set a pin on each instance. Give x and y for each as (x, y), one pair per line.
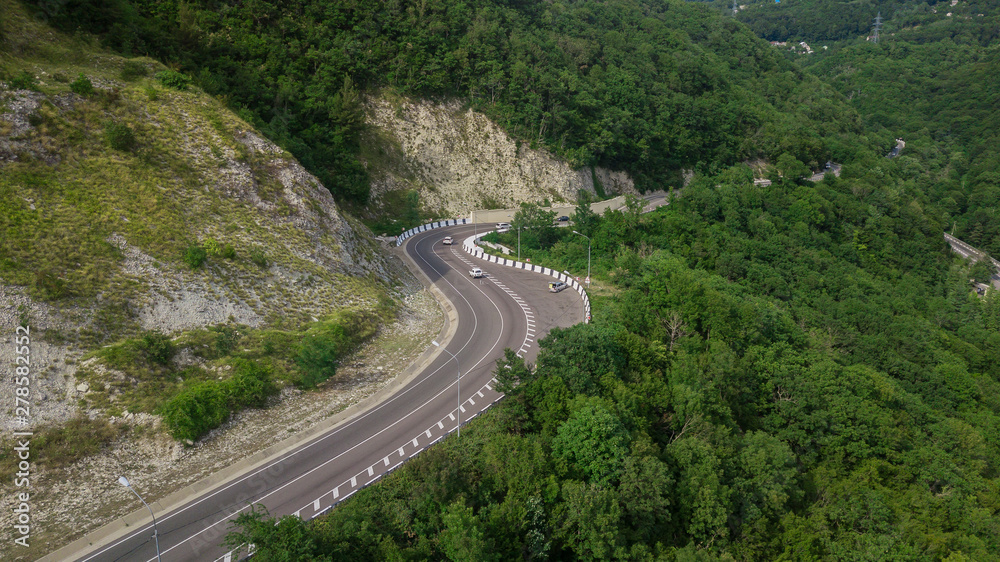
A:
(82, 85)
(157, 347)
(172, 79)
(250, 386)
(119, 136)
(196, 411)
(207, 405)
(195, 256)
(317, 356)
(215, 248)
(23, 81)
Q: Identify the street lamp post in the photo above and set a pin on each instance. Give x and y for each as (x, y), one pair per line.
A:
(519, 243)
(156, 535)
(588, 254)
(458, 411)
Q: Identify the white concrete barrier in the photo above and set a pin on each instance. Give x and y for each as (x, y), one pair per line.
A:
(425, 227)
(471, 248)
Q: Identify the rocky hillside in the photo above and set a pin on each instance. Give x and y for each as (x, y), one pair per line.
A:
(458, 160)
(154, 244)
(115, 176)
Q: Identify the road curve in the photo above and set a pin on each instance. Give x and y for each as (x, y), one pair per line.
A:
(509, 308)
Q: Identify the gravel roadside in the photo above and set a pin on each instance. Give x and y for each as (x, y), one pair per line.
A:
(158, 466)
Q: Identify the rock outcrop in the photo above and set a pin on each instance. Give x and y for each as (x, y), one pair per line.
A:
(459, 160)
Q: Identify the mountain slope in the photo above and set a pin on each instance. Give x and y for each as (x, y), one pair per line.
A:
(160, 249)
(644, 87)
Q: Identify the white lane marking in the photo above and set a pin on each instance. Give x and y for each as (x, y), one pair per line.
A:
(336, 492)
(428, 432)
(386, 461)
(480, 393)
(415, 444)
(471, 401)
(463, 409)
(440, 425)
(371, 471)
(452, 416)
(316, 505)
(354, 481)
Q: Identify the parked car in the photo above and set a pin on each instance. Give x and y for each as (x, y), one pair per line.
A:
(563, 218)
(556, 286)
(446, 241)
(503, 226)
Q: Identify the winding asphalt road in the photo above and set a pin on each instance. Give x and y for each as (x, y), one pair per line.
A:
(509, 308)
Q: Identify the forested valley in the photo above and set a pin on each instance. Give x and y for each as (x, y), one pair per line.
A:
(646, 87)
(793, 371)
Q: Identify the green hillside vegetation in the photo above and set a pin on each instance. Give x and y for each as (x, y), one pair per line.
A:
(647, 87)
(791, 372)
(934, 84)
(930, 80)
(96, 148)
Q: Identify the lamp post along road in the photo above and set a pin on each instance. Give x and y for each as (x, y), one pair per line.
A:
(588, 254)
(156, 535)
(458, 410)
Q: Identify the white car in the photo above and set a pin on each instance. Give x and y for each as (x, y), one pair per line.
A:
(475, 273)
(447, 241)
(503, 226)
(556, 286)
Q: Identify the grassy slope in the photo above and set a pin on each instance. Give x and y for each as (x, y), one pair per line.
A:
(193, 177)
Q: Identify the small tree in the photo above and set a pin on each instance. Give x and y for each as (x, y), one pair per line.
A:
(82, 85)
(511, 372)
(119, 136)
(157, 347)
(172, 79)
(195, 256)
(23, 81)
(536, 225)
(317, 357)
(982, 270)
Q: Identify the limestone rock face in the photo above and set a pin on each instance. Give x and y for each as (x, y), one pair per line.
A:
(459, 160)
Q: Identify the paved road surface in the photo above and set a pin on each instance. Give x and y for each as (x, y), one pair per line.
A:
(509, 308)
(967, 251)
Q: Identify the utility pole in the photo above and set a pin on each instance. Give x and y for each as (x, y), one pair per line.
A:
(877, 27)
(735, 8)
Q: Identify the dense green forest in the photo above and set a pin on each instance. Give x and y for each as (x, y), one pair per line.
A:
(933, 81)
(790, 372)
(787, 372)
(650, 87)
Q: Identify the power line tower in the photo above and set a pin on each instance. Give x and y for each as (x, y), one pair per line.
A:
(877, 26)
(735, 8)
